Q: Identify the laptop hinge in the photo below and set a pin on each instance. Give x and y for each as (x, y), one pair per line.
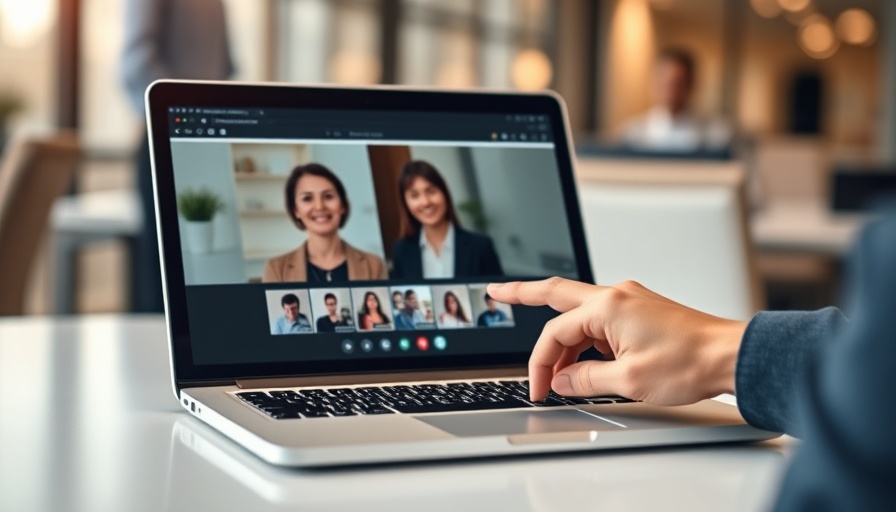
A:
(379, 378)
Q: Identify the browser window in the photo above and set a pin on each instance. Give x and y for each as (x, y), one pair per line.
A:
(320, 234)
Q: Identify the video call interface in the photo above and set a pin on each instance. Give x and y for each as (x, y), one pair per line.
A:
(318, 236)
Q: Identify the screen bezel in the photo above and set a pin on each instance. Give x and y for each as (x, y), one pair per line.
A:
(166, 94)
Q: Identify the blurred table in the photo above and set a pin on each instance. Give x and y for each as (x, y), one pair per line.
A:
(90, 423)
(80, 219)
(806, 227)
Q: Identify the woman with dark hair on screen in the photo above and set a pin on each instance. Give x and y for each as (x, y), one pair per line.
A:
(371, 315)
(453, 316)
(433, 244)
(316, 203)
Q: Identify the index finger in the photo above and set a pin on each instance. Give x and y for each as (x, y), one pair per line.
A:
(560, 294)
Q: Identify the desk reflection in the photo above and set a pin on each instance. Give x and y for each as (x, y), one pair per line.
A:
(207, 471)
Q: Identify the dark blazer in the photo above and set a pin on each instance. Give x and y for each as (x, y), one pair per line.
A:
(474, 256)
(832, 383)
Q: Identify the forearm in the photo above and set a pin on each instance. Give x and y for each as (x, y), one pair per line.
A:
(772, 361)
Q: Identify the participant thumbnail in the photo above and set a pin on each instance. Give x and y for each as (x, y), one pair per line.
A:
(286, 311)
(416, 311)
(372, 309)
(452, 305)
(332, 310)
(487, 311)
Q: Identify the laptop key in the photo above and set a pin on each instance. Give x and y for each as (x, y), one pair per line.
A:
(460, 406)
(380, 410)
(253, 395)
(549, 402)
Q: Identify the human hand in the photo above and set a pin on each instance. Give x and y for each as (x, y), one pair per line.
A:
(660, 351)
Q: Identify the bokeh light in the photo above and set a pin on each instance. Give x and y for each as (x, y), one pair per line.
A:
(817, 38)
(24, 22)
(354, 68)
(766, 8)
(794, 5)
(456, 75)
(531, 70)
(856, 26)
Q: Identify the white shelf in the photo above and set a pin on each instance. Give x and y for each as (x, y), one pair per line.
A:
(264, 224)
(259, 176)
(261, 213)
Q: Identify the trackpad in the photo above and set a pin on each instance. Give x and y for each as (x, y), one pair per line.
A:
(518, 422)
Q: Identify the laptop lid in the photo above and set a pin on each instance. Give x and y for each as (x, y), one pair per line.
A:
(320, 231)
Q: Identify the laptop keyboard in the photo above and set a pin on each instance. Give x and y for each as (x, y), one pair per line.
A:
(411, 399)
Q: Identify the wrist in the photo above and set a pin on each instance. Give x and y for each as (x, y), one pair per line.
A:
(723, 341)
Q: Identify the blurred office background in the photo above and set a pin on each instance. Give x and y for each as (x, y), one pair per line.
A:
(805, 85)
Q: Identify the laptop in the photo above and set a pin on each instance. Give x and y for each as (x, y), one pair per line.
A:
(325, 256)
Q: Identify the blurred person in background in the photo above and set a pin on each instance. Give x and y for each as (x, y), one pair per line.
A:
(672, 124)
(165, 39)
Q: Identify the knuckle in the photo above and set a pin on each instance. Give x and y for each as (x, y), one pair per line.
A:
(536, 364)
(632, 384)
(629, 284)
(551, 326)
(584, 382)
(533, 365)
(554, 282)
(610, 299)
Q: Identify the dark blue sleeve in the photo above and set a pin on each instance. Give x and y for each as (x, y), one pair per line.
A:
(847, 460)
(772, 360)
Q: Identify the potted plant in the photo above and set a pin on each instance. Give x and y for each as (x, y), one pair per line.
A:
(198, 208)
(10, 104)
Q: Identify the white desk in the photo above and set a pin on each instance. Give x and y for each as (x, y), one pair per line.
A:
(807, 227)
(88, 422)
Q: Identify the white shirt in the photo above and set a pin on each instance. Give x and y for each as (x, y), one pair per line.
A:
(659, 130)
(439, 266)
(449, 321)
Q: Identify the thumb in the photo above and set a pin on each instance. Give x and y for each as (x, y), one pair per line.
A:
(586, 379)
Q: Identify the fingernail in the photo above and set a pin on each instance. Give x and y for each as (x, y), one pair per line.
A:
(495, 286)
(562, 385)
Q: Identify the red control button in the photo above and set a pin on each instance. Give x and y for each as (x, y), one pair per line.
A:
(423, 343)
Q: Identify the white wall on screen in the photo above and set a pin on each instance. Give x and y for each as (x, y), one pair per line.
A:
(209, 165)
(523, 204)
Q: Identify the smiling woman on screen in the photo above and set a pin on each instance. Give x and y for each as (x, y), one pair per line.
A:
(433, 244)
(317, 203)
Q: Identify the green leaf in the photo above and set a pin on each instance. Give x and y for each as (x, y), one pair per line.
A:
(199, 205)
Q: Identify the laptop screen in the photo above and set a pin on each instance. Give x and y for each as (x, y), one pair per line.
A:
(329, 236)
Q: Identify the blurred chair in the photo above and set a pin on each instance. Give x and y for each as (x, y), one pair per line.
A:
(679, 228)
(79, 220)
(792, 169)
(33, 173)
(794, 179)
